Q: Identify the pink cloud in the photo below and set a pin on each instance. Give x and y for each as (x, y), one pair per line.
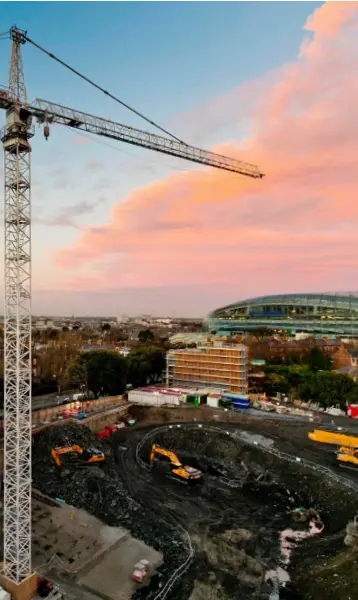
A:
(297, 228)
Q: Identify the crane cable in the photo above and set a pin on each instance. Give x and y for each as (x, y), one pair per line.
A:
(136, 112)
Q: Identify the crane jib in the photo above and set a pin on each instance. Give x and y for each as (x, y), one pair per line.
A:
(49, 112)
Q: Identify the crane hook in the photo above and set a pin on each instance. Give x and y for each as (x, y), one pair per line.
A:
(46, 132)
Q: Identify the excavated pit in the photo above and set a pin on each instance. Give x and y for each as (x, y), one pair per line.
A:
(221, 538)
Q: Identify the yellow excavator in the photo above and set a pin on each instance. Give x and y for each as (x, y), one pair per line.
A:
(77, 456)
(173, 466)
(347, 444)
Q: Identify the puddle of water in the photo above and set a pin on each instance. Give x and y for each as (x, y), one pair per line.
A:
(289, 540)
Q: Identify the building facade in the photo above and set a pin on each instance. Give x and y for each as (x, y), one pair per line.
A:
(316, 314)
(224, 368)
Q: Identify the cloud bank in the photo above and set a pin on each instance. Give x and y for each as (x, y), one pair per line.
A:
(297, 229)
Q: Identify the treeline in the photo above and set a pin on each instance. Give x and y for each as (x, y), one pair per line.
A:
(102, 372)
(312, 380)
(108, 373)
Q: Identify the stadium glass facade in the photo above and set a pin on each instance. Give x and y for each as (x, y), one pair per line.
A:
(318, 314)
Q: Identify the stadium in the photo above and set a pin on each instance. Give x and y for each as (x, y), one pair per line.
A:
(318, 314)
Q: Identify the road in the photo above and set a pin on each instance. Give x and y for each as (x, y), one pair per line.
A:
(39, 402)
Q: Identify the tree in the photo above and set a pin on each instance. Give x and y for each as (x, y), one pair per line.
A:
(145, 365)
(54, 361)
(100, 371)
(106, 327)
(276, 383)
(318, 360)
(329, 389)
(146, 335)
(285, 378)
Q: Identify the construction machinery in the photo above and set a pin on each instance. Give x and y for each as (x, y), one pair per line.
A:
(21, 116)
(77, 455)
(168, 460)
(106, 432)
(347, 445)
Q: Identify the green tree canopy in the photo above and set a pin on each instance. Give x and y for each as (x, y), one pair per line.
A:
(276, 383)
(292, 375)
(100, 371)
(329, 389)
(318, 360)
(146, 335)
(145, 365)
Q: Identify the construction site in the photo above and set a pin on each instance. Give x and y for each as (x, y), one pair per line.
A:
(184, 503)
(251, 508)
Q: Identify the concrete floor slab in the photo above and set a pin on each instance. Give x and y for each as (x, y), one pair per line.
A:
(76, 538)
(111, 578)
(89, 560)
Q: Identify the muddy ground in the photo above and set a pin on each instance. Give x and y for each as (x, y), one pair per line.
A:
(231, 522)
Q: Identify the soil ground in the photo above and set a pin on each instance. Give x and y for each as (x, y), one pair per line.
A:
(220, 538)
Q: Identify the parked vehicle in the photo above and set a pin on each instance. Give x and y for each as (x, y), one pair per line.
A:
(140, 570)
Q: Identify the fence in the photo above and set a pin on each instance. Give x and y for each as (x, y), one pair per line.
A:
(46, 415)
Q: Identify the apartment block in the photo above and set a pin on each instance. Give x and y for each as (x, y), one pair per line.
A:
(225, 367)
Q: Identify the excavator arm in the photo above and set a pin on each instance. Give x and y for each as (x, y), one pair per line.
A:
(88, 457)
(56, 452)
(177, 469)
(157, 450)
(49, 112)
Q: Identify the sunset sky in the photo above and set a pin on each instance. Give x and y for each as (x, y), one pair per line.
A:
(117, 229)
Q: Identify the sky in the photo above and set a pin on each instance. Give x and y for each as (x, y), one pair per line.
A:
(121, 230)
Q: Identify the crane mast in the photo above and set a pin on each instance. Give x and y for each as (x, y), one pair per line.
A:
(15, 138)
(17, 325)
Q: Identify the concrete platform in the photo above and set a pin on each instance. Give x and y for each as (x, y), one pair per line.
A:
(86, 558)
(70, 538)
(111, 577)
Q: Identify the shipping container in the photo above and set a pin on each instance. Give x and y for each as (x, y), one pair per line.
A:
(153, 399)
(213, 401)
(235, 396)
(194, 400)
(241, 404)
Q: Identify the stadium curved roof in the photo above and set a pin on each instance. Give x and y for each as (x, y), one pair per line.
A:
(335, 312)
(312, 299)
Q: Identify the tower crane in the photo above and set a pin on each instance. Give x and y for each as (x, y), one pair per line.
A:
(15, 137)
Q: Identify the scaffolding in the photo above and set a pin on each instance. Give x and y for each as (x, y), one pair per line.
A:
(224, 367)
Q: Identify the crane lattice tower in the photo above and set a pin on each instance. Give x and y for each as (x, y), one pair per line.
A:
(17, 325)
(17, 322)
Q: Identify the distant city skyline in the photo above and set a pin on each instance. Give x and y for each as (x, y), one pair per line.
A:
(117, 229)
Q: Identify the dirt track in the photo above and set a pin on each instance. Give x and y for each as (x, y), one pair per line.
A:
(233, 531)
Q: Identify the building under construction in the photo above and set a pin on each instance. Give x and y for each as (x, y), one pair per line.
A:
(225, 368)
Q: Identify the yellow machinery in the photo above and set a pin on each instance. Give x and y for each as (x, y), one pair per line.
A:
(78, 454)
(173, 466)
(347, 444)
